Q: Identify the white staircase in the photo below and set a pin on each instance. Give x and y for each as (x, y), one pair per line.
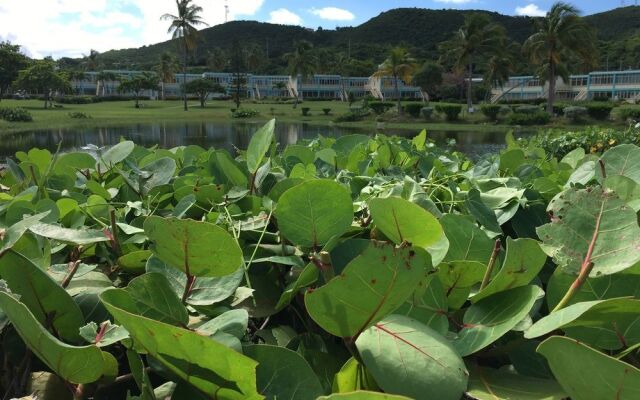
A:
(582, 95)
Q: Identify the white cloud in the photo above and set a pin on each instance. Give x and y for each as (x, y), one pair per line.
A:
(73, 27)
(283, 16)
(531, 10)
(333, 14)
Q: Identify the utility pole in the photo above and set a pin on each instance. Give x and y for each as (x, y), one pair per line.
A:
(226, 11)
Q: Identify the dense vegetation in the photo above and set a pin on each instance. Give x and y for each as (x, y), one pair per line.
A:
(351, 266)
(421, 30)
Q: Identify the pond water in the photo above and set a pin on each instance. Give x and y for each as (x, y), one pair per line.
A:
(227, 135)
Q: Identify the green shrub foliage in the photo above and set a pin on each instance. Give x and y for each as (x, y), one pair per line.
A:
(450, 111)
(15, 114)
(491, 111)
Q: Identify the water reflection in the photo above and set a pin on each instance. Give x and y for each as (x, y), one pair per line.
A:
(227, 135)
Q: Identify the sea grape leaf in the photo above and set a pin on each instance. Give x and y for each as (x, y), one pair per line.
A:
(114, 155)
(585, 373)
(606, 324)
(75, 364)
(283, 374)
(623, 160)
(104, 335)
(232, 322)
(259, 145)
(134, 261)
(574, 157)
(197, 248)
(66, 235)
(523, 262)
(47, 301)
(371, 286)
(161, 171)
(458, 278)
(313, 212)
(409, 358)
(594, 218)
(466, 240)
(204, 363)
(154, 298)
(140, 375)
(11, 235)
(626, 188)
(428, 305)
(490, 318)
(622, 284)
(205, 291)
(483, 214)
(363, 395)
(403, 221)
(226, 170)
(493, 384)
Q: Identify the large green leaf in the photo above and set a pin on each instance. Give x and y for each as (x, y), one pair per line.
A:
(205, 291)
(466, 241)
(428, 305)
(490, 318)
(458, 278)
(74, 364)
(623, 160)
(11, 236)
(591, 218)
(371, 286)
(605, 324)
(587, 374)
(403, 221)
(154, 298)
(409, 358)
(160, 173)
(522, 264)
(48, 302)
(483, 214)
(283, 374)
(197, 248)
(211, 367)
(114, 155)
(491, 384)
(72, 236)
(226, 170)
(259, 145)
(313, 212)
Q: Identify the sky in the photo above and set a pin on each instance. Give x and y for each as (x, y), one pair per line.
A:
(70, 28)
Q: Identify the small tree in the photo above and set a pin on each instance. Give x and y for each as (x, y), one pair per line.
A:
(429, 77)
(399, 65)
(11, 62)
(238, 65)
(139, 84)
(166, 70)
(203, 88)
(42, 77)
(301, 62)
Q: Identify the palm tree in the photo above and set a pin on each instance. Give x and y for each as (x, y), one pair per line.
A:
(301, 63)
(183, 26)
(91, 61)
(477, 39)
(78, 77)
(561, 35)
(166, 70)
(500, 65)
(102, 78)
(399, 65)
(339, 66)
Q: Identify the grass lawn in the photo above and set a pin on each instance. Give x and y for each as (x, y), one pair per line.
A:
(124, 113)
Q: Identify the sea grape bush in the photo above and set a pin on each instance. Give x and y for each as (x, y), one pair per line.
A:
(355, 267)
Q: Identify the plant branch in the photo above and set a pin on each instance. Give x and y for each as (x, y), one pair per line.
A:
(115, 243)
(491, 265)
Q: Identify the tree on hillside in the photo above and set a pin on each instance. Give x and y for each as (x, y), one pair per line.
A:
(339, 66)
(138, 84)
(217, 59)
(166, 70)
(203, 88)
(11, 62)
(500, 66)
(560, 36)
(183, 26)
(477, 40)
(301, 63)
(398, 65)
(429, 77)
(91, 61)
(42, 77)
(78, 78)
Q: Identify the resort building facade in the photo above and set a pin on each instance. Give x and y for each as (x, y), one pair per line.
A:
(329, 87)
(616, 85)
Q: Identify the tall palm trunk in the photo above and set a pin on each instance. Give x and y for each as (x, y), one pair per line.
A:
(184, 76)
(398, 99)
(162, 88)
(552, 87)
(470, 88)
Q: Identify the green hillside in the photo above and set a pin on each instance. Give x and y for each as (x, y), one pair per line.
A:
(419, 29)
